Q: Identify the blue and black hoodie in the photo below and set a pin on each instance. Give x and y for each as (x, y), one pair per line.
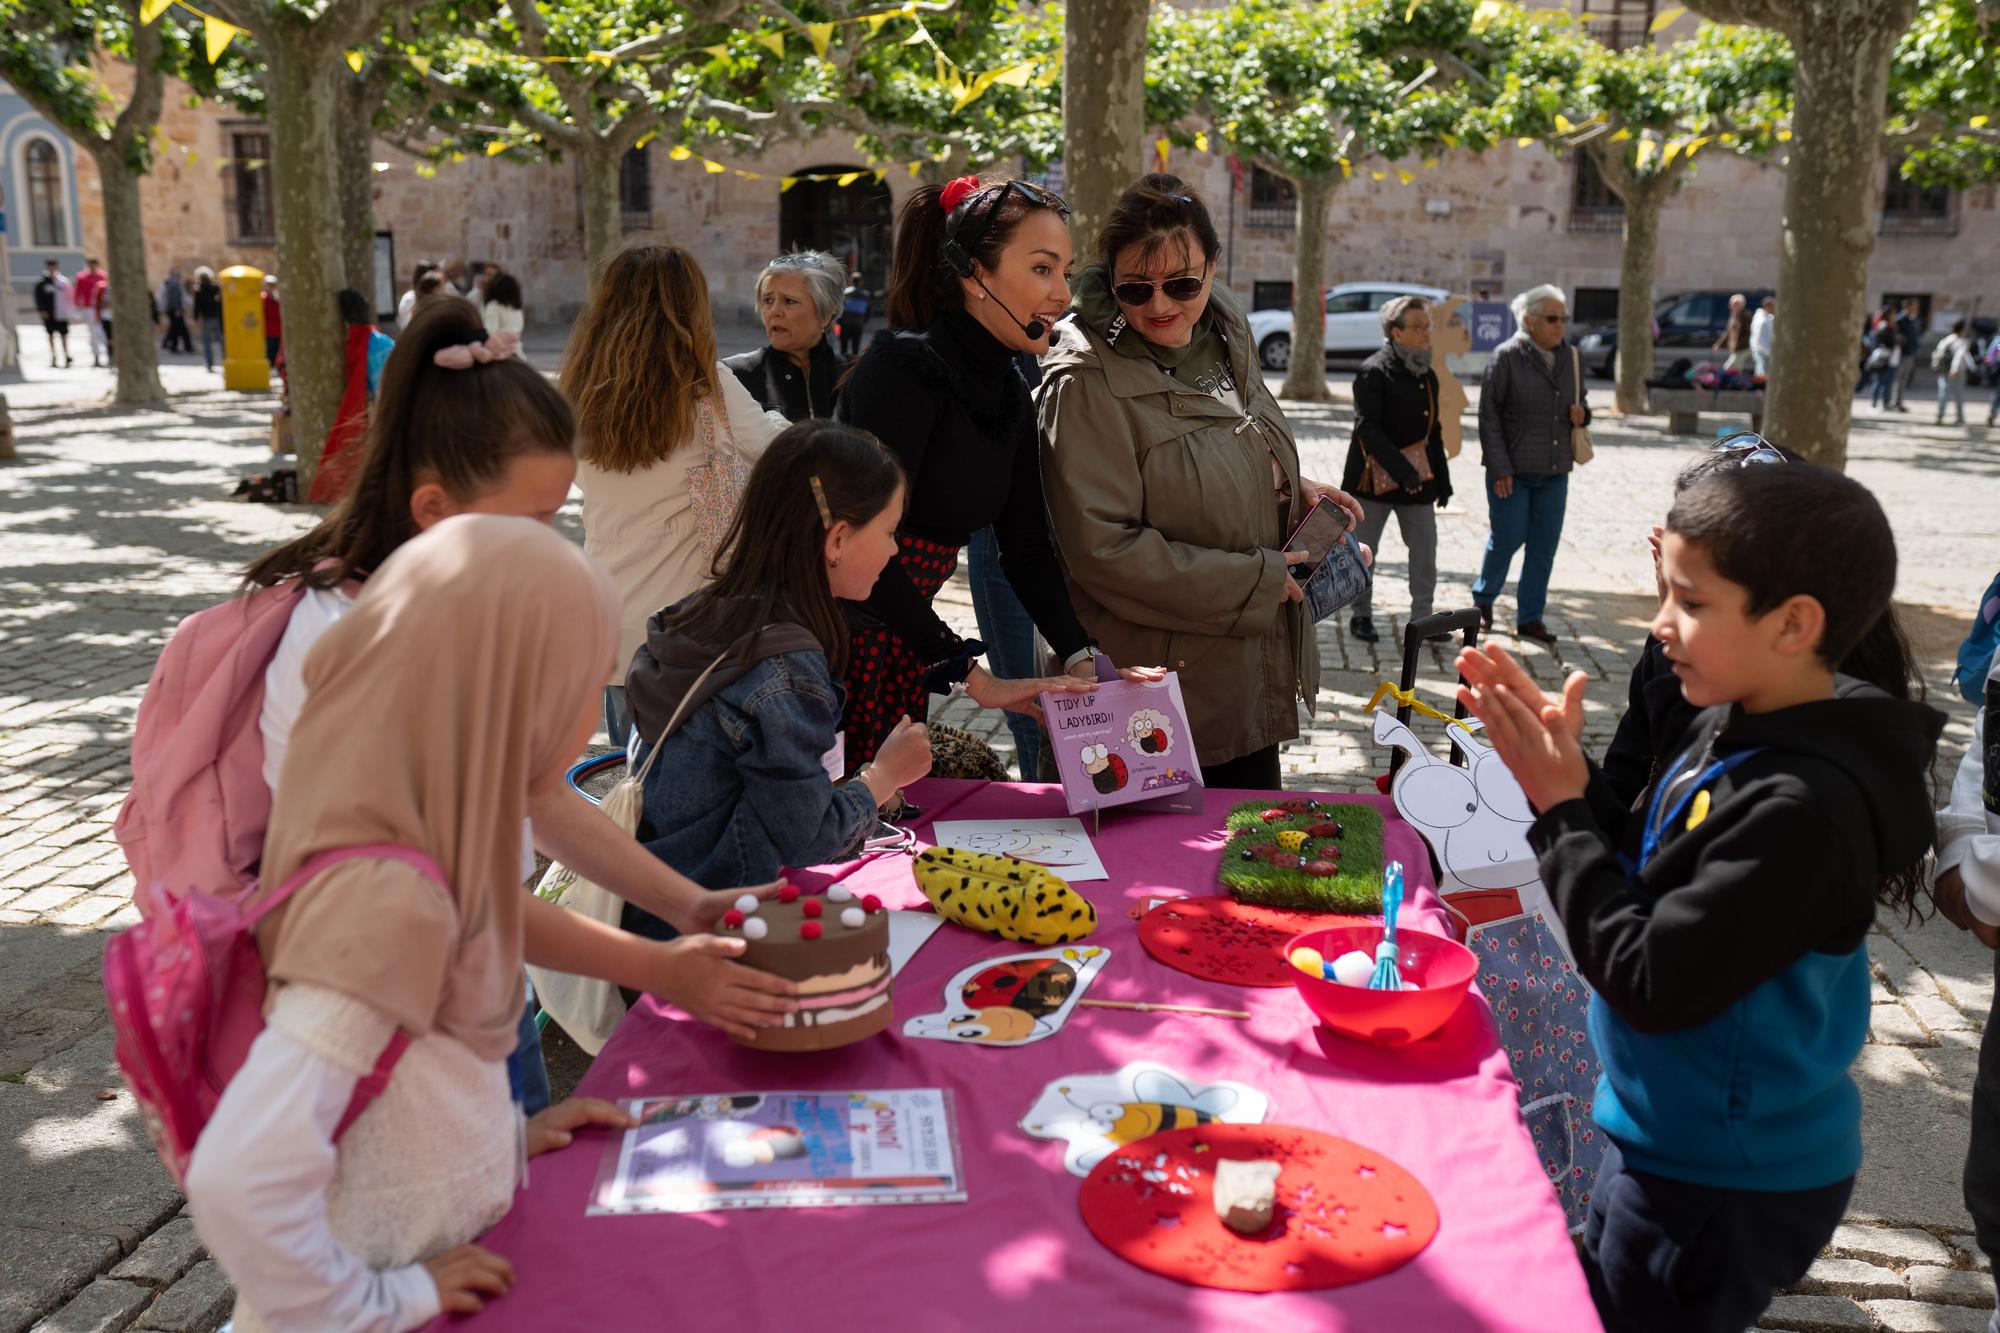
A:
(1723, 924)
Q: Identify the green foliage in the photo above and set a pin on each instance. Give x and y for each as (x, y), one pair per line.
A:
(1357, 887)
(1944, 95)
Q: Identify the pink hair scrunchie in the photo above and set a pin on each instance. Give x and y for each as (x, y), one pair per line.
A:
(497, 347)
(954, 193)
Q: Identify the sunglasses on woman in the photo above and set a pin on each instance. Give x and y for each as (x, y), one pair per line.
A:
(1141, 293)
(1753, 447)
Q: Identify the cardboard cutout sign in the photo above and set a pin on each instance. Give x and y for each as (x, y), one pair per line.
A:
(1012, 1001)
(1095, 1114)
(1451, 336)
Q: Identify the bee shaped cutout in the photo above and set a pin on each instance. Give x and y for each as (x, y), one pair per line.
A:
(1096, 1114)
(1012, 1001)
(1108, 773)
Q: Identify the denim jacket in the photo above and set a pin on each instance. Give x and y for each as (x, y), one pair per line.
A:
(740, 792)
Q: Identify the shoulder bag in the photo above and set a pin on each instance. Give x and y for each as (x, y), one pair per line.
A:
(715, 485)
(1580, 446)
(1376, 479)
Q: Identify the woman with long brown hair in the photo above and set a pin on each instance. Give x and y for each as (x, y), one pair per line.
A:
(979, 275)
(668, 438)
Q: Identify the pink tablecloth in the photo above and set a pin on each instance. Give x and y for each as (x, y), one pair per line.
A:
(1017, 1256)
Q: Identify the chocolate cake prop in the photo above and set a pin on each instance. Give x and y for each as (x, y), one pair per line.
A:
(836, 948)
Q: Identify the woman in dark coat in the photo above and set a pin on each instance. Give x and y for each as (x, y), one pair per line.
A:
(795, 372)
(1396, 408)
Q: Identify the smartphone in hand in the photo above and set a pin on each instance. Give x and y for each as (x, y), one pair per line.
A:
(1317, 534)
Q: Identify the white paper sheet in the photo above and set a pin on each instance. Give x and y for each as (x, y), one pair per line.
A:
(907, 933)
(1058, 845)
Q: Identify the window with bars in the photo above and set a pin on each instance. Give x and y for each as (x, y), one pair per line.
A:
(635, 190)
(246, 187)
(1911, 209)
(1619, 23)
(1593, 206)
(48, 218)
(1273, 201)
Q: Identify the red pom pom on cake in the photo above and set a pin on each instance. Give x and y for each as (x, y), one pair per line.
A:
(810, 930)
(870, 903)
(732, 917)
(788, 893)
(811, 907)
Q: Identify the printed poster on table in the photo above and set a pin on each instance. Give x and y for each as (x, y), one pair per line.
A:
(1125, 743)
(710, 1152)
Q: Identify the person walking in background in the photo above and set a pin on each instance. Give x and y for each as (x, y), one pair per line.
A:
(1884, 364)
(408, 303)
(504, 311)
(1529, 400)
(274, 320)
(1396, 416)
(1910, 332)
(208, 314)
(855, 303)
(55, 302)
(367, 351)
(1991, 361)
(1762, 326)
(173, 303)
(1953, 362)
(795, 371)
(1735, 339)
(88, 284)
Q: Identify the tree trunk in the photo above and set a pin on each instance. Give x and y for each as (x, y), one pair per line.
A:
(357, 185)
(1104, 110)
(1305, 378)
(302, 104)
(1831, 182)
(1643, 205)
(133, 333)
(603, 217)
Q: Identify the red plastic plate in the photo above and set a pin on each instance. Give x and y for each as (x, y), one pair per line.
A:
(1220, 939)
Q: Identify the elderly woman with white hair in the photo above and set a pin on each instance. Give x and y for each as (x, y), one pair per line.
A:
(1529, 399)
(795, 371)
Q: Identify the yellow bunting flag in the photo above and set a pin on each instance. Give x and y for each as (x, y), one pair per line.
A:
(152, 9)
(1784, 136)
(1378, 175)
(787, 183)
(1411, 12)
(1673, 151)
(719, 50)
(604, 58)
(875, 22)
(1563, 124)
(1346, 169)
(217, 35)
(821, 35)
(1665, 18)
(679, 153)
(773, 41)
(1484, 15)
(1404, 176)
(645, 139)
(847, 178)
(713, 168)
(916, 168)
(1980, 122)
(881, 173)
(1647, 147)
(917, 38)
(497, 147)
(354, 59)
(1200, 141)
(1014, 76)
(422, 65)
(1621, 136)
(1524, 141)
(1160, 147)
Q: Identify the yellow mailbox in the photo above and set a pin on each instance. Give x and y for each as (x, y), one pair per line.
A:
(243, 363)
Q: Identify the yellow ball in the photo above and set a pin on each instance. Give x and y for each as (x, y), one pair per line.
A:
(1291, 839)
(1308, 961)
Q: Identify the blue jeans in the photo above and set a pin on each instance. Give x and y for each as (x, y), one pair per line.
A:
(1882, 392)
(527, 1075)
(211, 341)
(1010, 638)
(1532, 514)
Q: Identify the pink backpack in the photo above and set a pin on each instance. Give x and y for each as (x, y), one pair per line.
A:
(186, 991)
(196, 812)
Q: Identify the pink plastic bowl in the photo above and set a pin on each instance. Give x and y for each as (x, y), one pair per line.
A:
(1435, 972)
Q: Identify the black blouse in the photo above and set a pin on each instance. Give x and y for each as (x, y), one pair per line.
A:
(776, 382)
(952, 403)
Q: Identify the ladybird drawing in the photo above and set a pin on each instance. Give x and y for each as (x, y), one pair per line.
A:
(1107, 770)
(1012, 1001)
(1150, 732)
(1095, 1114)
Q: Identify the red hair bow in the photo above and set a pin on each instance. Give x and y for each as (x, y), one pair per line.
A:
(955, 193)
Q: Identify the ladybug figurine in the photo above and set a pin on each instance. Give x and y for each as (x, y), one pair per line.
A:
(1325, 828)
(1321, 869)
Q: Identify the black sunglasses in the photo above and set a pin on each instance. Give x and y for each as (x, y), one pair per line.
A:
(1177, 289)
(972, 221)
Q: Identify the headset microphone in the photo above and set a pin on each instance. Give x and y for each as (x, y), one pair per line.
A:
(1034, 328)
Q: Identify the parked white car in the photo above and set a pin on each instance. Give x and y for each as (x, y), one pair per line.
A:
(1353, 321)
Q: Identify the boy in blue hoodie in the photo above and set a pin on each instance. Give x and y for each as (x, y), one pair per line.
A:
(1723, 922)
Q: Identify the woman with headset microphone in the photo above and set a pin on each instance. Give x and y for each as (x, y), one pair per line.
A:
(979, 275)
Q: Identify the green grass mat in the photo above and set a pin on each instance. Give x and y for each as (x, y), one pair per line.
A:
(1356, 888)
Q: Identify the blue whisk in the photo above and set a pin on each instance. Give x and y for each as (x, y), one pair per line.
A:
(1386, 976)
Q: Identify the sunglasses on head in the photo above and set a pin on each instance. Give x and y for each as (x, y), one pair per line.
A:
(1177, 289)
(1754, 447)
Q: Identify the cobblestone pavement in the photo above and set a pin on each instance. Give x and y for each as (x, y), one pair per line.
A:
(114, 524)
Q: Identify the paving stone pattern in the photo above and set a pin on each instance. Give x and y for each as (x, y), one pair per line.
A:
(114, 524)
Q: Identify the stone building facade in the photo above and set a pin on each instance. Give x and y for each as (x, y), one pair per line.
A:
(1489, 223)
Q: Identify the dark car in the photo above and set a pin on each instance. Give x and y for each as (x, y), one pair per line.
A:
(1688, 324)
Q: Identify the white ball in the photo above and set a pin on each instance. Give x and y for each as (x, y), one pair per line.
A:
(853, 917)
(1354, 968)
(840, 893)
(756, 928)
(747, 904)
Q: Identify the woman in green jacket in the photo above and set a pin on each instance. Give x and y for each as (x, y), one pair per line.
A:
(1172, 482)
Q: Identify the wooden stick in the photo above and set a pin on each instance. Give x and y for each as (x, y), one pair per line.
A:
(1145, 1008)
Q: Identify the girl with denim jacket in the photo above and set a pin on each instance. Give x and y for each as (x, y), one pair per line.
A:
(741, 681)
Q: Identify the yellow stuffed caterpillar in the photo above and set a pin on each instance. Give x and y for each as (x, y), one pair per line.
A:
(1006, 897)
